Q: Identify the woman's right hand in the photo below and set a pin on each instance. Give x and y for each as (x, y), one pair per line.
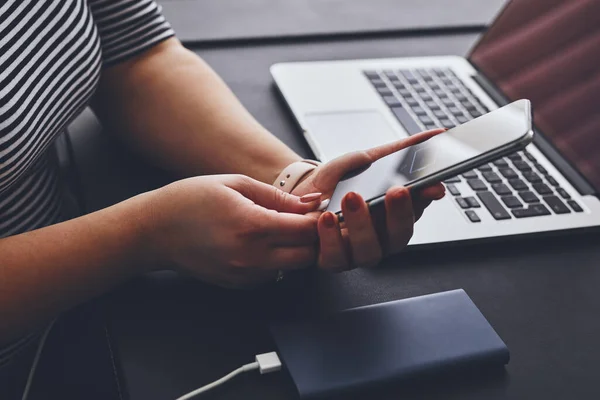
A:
(229, 230)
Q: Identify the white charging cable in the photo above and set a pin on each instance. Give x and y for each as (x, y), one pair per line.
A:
(265, 363)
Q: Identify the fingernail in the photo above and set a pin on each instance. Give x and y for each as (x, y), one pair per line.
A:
(329, 220)
(324, 204)
(352, 201)
(308, 198)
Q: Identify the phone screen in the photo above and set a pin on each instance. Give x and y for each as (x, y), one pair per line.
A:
(471, 140)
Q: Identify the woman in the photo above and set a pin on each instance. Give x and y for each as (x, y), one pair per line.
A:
(232, 229)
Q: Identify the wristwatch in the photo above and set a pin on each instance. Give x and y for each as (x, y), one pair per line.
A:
(293, 173)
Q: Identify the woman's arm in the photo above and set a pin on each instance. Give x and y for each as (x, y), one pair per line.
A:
(173, 108)
(221, 229)
(46, 271)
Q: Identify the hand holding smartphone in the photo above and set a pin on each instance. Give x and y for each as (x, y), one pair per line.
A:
(458, 150)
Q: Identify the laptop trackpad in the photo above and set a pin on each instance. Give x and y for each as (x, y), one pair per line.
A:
(342, 132)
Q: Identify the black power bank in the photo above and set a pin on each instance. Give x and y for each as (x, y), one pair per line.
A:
(394, 341)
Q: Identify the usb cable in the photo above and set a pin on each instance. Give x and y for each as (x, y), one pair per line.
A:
(265, 363)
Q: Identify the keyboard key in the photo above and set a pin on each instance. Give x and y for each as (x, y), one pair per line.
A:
(575, 206)
(477, 184)
(439, 114)
(563, 193)
(372, 74)
(521, 165)
(408, 75)
(472, 201)
(556, 205)
(468, 105)
(512, 202)
(378, 83)
(448, 102)
(470, 174)
(493, 205)
(432, 105)
(461, 119)
(472, 215)
(404, 92)
(474, 113)
(391, 75)
(542, 188)
(455, 110)
(529, 197)
(411, 101)
(508, 173)
(440, 93)
(454, 179)
(419, 110)
(406, 120)
(501, 189)
(491, 177)
(426, 97)
(533, 210)
(384, 91)
(486, 167)
(399, 85)
(453, 189)
(531, 176)
(462, 202)
(391, 101)
(529, 156)
(518, 184)
(430, 126)
(514, 157)
(540, 169)
(501, 163)
(551, 180)
(419, 88)
(446, 123)
(425, 119)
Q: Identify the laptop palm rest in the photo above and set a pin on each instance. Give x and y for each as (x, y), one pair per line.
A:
(338, 133)
(388, 342)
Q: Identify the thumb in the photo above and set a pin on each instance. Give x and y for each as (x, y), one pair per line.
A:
(272, 198)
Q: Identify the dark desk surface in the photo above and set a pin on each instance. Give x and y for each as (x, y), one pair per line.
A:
(172, 335)
(234, 20)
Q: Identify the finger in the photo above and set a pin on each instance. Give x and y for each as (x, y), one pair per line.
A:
(400, 218)
(433, 192)
(332, 249)
(419, 206)
(290, 258)
(331, 173)
(270, 197)
(366, 250)
(289, 229)
(378, 152)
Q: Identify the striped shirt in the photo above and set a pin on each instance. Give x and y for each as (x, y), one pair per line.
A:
(52, 53)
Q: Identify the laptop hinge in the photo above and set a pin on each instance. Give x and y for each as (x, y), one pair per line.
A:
(543, 144)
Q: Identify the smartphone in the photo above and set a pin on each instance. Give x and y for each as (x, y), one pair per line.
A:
(456, 151)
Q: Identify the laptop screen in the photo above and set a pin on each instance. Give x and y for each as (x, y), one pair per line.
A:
(548, 51)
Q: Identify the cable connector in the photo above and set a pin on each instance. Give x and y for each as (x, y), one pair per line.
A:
(268, 362)
(265, 363)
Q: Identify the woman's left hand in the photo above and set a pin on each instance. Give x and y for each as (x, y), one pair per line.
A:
(365, 237)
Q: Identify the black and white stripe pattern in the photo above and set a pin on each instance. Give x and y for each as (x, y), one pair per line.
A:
(51, 56)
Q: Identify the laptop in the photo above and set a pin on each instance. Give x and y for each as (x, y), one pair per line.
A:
(546, 51)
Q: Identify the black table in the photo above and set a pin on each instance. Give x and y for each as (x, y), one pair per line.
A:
(250, 20)
(170, 334)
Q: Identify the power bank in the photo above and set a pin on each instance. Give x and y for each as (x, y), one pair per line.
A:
(404, 339)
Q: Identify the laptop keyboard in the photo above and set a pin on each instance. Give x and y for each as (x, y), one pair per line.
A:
(516, 186)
